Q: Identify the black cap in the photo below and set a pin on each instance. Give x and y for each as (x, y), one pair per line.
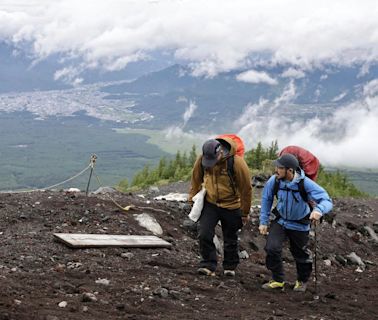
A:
(287, 160)
(210, 152)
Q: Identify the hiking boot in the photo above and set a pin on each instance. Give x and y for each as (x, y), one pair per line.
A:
(229, 273)
(273, 285)
(206, 272)
(300, 286)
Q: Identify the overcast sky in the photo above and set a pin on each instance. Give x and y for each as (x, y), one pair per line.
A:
(215, 36)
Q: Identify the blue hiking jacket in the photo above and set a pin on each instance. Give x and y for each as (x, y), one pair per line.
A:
(290, 204)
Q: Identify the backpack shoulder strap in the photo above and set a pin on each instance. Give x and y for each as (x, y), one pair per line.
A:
(230, 172)
(302, 190)
(276, 187)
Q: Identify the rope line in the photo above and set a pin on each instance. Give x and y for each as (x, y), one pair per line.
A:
(127, 208)
(55, 185)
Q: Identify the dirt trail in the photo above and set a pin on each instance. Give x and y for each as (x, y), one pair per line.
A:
(38, 273)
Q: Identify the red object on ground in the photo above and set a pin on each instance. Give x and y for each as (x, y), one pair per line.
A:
(307, 161)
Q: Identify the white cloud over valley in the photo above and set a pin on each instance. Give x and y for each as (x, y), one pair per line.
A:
(216, 35)
(345, 138)
(252, 76)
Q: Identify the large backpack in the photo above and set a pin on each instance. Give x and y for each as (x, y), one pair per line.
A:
(310, 165)
(230, 160)
(307, 161)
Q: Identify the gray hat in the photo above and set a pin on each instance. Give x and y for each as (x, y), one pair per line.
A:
(210, 152)
(287, 160)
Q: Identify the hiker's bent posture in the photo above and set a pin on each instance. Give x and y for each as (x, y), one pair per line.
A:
(227, 181)
(293, 216)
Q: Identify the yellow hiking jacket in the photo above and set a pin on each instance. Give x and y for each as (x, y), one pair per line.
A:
(217, 182)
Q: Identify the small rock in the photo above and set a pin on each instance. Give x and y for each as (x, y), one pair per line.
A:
(353, 258)
(149, 222)
(153, 189)
(17, 302)
(127, 255)
(62, 304)
(186, 290)
(162, 292)
(327, 262)
(105, 282)
(243, 254)
(88, 297)
(175, 294)
(341, 260)
(103, 190)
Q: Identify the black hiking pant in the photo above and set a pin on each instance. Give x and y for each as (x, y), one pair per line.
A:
(231, 222)
(298, 246)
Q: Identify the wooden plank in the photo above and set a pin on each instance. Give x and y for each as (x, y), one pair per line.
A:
(76, 240)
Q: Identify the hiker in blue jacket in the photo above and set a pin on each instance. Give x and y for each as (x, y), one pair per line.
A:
(296, 194)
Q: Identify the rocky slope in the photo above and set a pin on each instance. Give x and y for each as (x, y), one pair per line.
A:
(44, 279)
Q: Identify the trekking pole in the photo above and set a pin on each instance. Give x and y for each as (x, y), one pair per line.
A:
(91, 164)
(316, 296)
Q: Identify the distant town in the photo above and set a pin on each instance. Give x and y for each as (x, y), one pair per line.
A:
(88, 98)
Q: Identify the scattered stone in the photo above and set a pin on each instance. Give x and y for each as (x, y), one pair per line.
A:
(127, 255)
(186, 290)
(327, 262)
(278, 313)
(153, 189)
(74, 265)
(149, 222)
(243, 254)
(88, 297)
(62, 304)
(353, 258)
(372, 233)
(23, 216)
(103, 190)
(175, 294)
(162, 292)
(340, 259)
(105, 282)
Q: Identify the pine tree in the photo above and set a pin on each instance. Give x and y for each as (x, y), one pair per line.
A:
(192, 156)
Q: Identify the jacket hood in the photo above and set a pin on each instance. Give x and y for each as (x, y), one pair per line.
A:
(229, 144)
(299, 175)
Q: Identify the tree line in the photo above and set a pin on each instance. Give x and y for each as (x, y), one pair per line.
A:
(258, 159)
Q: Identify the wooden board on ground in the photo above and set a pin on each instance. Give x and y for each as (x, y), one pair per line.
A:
(76, 240)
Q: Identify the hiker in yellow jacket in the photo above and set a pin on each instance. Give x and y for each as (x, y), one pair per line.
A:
(227, 181)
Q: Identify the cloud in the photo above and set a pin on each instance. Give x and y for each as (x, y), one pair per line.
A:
(344, 138)
(371, 88)
(293, 73)
(189, 112)
(252, 76)
(218, 36)
(340, 96)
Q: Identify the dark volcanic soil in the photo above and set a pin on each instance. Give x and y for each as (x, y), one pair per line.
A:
(39, 273)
